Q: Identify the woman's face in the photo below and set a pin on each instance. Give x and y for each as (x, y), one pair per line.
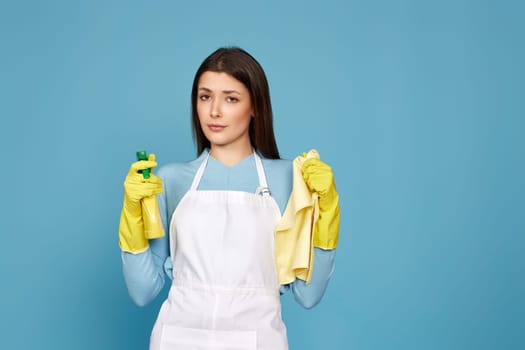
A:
(225, 110)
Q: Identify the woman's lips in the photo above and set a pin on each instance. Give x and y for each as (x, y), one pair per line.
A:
(216, 127)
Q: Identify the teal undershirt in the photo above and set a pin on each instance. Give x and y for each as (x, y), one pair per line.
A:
(145, 272)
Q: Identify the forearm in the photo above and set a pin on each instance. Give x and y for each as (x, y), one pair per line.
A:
(144, 274)
(310, 294)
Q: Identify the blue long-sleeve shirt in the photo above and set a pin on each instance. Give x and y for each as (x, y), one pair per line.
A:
(145, 272)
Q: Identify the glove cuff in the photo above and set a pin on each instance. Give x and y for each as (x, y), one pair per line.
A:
(326, 231)
(131, 233)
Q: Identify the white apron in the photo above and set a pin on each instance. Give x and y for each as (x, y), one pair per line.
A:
(225, 292)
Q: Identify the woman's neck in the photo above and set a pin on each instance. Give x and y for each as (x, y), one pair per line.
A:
(230, 156)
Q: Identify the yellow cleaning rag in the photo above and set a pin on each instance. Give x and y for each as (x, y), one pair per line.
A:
(294, 251)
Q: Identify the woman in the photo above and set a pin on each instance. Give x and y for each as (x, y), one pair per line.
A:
(220, 212)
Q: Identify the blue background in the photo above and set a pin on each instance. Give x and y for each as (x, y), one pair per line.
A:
(417, 105)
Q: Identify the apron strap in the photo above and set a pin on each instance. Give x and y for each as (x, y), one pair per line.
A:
(263, 185)
(198, 174)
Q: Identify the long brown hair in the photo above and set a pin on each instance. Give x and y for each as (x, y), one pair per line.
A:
(243, 67)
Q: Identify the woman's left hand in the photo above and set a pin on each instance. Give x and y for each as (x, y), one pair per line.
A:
(319, 177)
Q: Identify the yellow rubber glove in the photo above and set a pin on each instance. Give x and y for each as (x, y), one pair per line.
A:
(136, 187)
(319, 177)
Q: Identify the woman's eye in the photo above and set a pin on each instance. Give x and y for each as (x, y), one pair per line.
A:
(204, 97)
(232, 99)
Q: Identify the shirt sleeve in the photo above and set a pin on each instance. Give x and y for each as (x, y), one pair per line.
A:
(310, 294)
(144, 272)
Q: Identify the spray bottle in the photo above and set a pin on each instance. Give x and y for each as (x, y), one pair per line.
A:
(150, 208)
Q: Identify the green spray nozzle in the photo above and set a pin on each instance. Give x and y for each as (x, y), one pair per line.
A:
(143, 155)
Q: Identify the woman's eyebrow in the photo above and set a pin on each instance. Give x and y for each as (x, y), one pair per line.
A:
(223, 91)
(231, 92)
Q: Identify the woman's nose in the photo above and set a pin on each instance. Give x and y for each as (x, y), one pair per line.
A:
(215, 109)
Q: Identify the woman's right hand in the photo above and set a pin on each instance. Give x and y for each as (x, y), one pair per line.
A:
(136, 187)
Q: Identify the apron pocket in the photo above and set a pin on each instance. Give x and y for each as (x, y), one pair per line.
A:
(181, 338)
